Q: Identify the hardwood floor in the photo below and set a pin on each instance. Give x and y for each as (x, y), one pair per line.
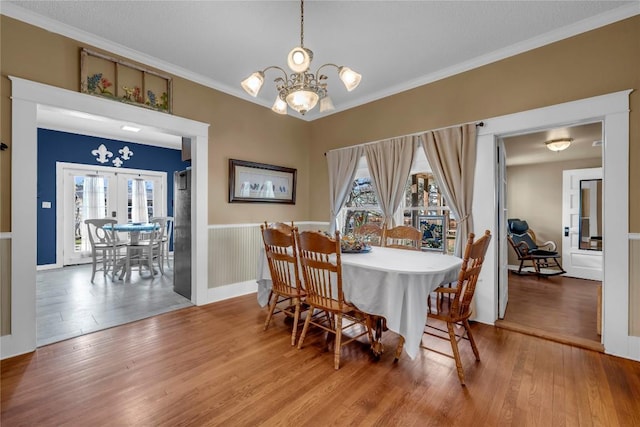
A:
(560, 308)
(214, 365)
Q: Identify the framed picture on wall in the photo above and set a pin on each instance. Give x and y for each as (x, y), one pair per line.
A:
(112, 78)
(262, 183)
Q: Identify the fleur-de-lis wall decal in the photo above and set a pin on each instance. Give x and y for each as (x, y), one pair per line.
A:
(125, 152)
(102, 154)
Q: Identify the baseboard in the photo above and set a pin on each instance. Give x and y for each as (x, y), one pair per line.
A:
(47, 267)
(231, 291)
(560, 338)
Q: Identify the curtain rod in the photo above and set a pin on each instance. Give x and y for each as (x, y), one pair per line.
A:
(478, 124)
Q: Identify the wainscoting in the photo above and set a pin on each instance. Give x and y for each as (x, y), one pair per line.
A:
(234, 250)
(634, 285)
(5, 284)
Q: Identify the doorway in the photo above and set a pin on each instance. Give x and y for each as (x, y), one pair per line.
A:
(561, 308)
(102, 192)
(28, 98)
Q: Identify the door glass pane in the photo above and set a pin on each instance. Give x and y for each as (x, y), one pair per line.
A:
(90, 194)
(140, 200)
(150, 198)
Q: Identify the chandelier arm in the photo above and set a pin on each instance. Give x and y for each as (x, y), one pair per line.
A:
(326, 65)
(286, 77)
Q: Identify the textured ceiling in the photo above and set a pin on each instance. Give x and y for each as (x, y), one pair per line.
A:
(395, 45)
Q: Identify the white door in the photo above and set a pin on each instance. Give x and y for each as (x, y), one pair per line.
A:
(100, 192)
(503, 262)
(581, 241)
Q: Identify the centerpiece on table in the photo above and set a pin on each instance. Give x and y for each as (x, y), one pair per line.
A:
(352, 244)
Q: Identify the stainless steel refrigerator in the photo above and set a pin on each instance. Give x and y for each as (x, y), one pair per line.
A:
(182, 233)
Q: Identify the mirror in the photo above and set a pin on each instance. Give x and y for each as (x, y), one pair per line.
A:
(591, 214)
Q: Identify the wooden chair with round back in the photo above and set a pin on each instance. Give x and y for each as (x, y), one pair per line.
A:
(371, 233)
(403, 237)
(456, 310)
(282, 257)
(322, 272)
(281, 226)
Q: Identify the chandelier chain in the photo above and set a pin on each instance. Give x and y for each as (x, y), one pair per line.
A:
(302, 23)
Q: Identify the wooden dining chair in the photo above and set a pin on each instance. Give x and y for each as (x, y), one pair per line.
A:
(105, 246)
(287, 292)
(456, 310)
(370, 233)
(403, 237)
(281, 226)
(322, 272)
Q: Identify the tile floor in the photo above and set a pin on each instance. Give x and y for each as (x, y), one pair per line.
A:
(69, 305)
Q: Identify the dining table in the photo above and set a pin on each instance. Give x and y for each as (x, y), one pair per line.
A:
(390, 283)
(135, 229)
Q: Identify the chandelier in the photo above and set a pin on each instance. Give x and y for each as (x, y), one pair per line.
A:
(301, 90)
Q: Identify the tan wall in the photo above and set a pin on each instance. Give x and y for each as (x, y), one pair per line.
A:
(595, 63)
(598, 62)
(239, 129)
(534, 193)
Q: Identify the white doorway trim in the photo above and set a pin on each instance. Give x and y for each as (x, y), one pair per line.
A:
(613, 111)
(26, 97)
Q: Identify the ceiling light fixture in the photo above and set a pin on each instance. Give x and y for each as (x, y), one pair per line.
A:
(559, 144)
(130, 128)
(301, 90)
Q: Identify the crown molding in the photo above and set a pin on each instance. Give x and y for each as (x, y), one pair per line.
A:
(579, 27)
(57, 27)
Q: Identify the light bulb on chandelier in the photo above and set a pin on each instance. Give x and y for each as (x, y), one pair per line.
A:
(301, 90)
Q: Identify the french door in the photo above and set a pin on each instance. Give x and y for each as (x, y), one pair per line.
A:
(102, 192)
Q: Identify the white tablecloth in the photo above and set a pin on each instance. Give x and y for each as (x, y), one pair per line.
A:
(393, 283)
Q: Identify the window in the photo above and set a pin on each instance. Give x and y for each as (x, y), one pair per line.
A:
(423, 206)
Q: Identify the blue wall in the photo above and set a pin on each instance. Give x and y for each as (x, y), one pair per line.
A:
(55, 146)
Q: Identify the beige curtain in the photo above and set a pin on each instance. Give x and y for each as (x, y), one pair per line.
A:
(139, 212)
(390, 165)
(343, 165)
(451, 153)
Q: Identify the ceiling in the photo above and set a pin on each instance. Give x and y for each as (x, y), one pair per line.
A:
(531, 149)
(395, 45)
